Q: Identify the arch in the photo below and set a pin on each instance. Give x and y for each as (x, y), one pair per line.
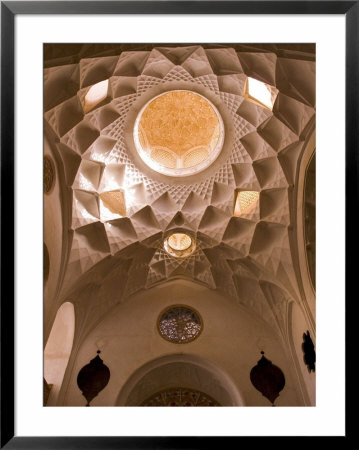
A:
(56, 223)
(175, 370)
(309, 217)
(58, 350)
(304, 270)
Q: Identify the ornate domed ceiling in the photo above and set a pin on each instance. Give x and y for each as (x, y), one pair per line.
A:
(192, 106)
(179, 130)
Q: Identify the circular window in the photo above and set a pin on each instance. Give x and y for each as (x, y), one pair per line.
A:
(179, 133)
(180, 397)
(179, 245)
(49, 174)
(180, 324)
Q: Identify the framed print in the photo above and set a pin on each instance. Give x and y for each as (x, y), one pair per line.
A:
(171, 225)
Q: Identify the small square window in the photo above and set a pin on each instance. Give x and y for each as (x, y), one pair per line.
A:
(113, 202)
(260, 93)
(95, 95)
(245, 202)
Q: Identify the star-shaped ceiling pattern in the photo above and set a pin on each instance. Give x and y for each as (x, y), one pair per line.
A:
(263, 148)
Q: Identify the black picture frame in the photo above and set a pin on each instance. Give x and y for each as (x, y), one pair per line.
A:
(9, 10)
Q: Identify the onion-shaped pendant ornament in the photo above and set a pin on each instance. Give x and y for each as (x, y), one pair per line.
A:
(308, 352)
(92, 378)
(267, 378)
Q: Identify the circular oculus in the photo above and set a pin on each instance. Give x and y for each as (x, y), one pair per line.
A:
(179, 133)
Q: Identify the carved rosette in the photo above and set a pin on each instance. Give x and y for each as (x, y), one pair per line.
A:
(180, 324)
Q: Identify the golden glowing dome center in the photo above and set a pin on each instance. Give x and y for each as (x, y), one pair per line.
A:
(179, 241)
(179, 245)
(179, 121)
(177, 131)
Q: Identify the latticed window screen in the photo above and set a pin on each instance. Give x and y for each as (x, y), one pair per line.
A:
(180, 397)
(179, 324)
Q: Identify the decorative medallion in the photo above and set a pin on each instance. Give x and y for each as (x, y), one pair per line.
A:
(179, 133)
(46, 263)
(93, 378)
(49, 174)
(180, 324)
(179, 245)
(267, 378)
(180, 397)
(308, 352)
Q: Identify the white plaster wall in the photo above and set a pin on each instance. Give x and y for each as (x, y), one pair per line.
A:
(231, 339)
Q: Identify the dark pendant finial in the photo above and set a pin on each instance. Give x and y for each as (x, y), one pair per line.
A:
(93, 378)
(267, 378)
(308, 352)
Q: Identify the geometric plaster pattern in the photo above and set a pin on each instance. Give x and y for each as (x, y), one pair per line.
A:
(261, 152)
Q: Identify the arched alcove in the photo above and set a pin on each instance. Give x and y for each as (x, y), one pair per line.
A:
(306, 212)
(185, 371)
(58, 349)
(309, 217)
(55, 222)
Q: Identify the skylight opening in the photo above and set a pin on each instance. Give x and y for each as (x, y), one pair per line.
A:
(179, 245)
(113, 204)
(258, 92)
(245, 202)
(95, 95)
(179, 241)
(179, 133)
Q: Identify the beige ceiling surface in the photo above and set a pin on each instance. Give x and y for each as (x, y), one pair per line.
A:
(250, 254)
